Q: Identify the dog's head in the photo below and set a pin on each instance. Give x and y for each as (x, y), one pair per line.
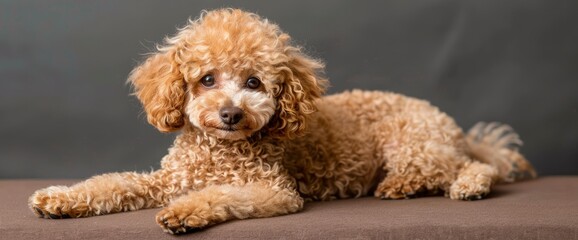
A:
(230, 74)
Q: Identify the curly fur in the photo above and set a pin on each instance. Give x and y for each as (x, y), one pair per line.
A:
(290, 145)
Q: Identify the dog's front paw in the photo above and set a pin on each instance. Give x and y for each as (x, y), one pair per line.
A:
(56, 202)
(179, 218)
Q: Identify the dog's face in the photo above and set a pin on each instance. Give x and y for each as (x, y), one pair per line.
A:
(230, 104)
(230, 74)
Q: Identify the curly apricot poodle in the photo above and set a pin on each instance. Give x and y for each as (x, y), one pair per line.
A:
(258, 138)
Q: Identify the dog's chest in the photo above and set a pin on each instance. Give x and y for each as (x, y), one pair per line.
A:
(236, 164)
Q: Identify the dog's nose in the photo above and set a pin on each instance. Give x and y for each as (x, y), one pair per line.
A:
(231, 115)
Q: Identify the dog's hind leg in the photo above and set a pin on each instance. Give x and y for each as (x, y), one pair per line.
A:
(432, 167)
(419, 168)
(474, 181)
(420, 154)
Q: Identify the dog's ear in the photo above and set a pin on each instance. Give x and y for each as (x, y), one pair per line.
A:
(302, 85)
(161, 88)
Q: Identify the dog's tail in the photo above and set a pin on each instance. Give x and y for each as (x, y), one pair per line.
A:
(497, 144)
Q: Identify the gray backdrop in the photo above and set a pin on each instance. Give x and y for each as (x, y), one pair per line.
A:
(65, 110)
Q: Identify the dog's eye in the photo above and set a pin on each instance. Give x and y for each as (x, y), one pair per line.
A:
(208, 81)
(253, 83)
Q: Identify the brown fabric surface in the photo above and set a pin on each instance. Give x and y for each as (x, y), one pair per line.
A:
(546, 208)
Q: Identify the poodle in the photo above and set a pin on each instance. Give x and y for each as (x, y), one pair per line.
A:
(258, 138)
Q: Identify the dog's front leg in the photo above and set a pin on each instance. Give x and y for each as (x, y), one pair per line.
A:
(219, 203)
(107, 193)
